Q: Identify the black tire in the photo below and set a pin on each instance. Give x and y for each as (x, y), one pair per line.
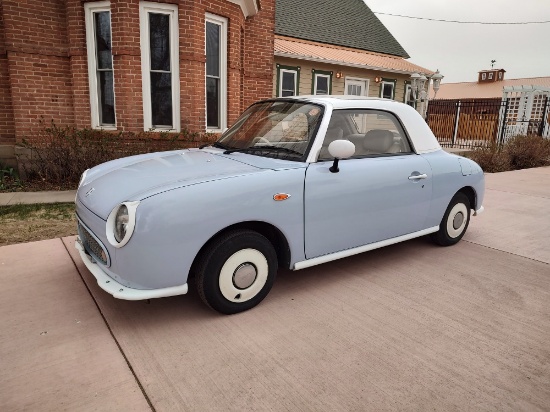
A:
(455, 221)
(236, 271)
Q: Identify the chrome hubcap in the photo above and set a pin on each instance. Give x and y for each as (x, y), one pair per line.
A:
(458, 220)
(244, 276)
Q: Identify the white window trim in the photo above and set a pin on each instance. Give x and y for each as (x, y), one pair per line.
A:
(295, 72)
(222, 22)
(408, 92)
(392, 84)
(483, 76)
(490, 76)
(367, 84)
(500, 75)
(89, 10)
(146, 7)
(317, 75)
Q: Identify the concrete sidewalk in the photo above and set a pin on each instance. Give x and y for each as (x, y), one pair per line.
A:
(13, 198)
(408, 327)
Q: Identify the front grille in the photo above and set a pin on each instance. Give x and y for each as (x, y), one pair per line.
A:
(92, 244)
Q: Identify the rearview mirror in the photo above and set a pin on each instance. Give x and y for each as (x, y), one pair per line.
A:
(340, 149)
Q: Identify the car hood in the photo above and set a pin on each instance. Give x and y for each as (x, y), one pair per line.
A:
(142, 176)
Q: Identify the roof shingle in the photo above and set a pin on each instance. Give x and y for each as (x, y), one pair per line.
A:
(347, 23)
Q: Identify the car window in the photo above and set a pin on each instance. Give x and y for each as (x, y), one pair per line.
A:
(373, 132)
(281, 129)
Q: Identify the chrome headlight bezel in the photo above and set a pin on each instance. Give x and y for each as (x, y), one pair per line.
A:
(82, 177)
(130, 225)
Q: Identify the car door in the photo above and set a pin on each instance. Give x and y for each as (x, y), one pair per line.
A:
(373, 196)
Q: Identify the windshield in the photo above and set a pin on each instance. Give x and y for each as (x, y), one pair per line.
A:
(281, 129)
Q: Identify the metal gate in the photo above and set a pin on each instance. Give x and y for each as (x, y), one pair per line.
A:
(483, 122)
(527, 112)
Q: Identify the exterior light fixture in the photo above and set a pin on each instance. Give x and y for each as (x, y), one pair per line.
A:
(436, 79)
(338, 75)
(418, 87)
(377, 79)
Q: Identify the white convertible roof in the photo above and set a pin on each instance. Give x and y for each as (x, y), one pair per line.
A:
(421, 135)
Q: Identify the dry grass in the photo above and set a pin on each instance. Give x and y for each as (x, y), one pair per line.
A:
(28, 223)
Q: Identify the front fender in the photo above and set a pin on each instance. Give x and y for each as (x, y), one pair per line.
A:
(173, 226)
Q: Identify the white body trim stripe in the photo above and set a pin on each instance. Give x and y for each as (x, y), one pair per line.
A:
(371, 246)
(120, 291)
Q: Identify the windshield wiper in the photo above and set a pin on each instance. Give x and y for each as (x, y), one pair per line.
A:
(215, 144)
(264, 148)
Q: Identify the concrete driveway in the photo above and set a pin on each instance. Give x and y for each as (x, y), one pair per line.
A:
(409, 327)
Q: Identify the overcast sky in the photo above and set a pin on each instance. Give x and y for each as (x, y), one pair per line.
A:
(459, 51)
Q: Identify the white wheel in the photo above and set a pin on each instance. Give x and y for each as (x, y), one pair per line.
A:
(456, 220)
(235, 272)
(243, 275)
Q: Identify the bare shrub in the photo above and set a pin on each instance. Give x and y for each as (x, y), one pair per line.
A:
(59, 155)
(520, 152)
(528, 151)
(491, 159)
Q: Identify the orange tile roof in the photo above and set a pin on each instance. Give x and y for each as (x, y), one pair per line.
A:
(474, 90)
(307, 50)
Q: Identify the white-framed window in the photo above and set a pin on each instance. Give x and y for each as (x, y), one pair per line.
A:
(483, 76)
(288, 79)
(490, 76)
(100, 64)
(160, 65)
(216, 72)
(355, 86)
(500, 75)
(387, 89)
(322, 82)
(409, 96)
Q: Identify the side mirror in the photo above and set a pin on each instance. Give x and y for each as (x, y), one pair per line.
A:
(340, 149)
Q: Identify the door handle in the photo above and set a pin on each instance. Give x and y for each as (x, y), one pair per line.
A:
(418, 177)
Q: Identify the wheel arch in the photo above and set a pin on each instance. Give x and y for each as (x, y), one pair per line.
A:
(471, 195)
(271, 232)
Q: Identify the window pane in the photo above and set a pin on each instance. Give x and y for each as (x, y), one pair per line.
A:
(387, 91)
(161, 99)
(288, 80)
(159, 39)
(212, 49)
(322, 85)
(212, 102)
(106, 98)
(103, 40)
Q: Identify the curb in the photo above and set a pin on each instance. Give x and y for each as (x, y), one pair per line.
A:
(14, 198)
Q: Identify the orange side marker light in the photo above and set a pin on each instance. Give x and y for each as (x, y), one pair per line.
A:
(280, 196)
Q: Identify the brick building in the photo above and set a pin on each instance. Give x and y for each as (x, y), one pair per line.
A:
(131, 65)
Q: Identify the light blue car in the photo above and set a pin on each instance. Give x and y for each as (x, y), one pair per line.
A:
(294, 183)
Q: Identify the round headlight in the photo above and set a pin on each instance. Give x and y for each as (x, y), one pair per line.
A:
(121, 223)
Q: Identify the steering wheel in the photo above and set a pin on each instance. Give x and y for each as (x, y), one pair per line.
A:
(261, 139)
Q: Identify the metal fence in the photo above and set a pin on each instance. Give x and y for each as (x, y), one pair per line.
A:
(484, 122)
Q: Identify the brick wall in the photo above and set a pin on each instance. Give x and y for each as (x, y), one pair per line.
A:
(44, 72)
(38, 71)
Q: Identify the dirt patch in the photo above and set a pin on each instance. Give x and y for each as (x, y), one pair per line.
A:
(29, 223)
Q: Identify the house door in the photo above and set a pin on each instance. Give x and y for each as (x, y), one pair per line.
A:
(356, 87)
